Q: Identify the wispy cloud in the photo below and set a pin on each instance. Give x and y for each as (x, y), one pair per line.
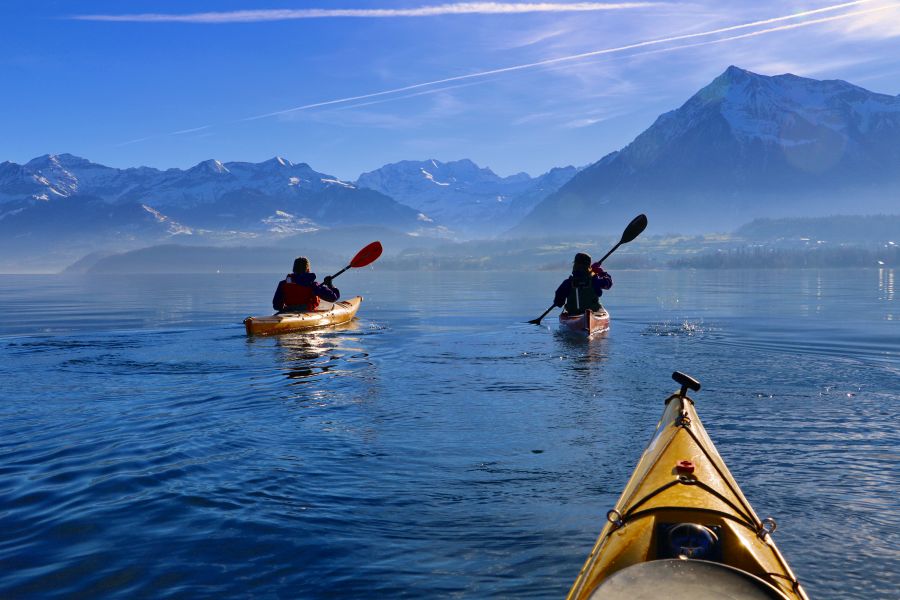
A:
(617, 49)
(179, 132)
(443, 106)
(462, 8)
(646, 47)
(871, 26)
(534, 38)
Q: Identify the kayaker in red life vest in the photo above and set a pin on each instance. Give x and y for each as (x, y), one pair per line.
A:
(582, 290)
(300, 292)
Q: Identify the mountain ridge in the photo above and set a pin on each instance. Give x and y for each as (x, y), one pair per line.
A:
(468, 199)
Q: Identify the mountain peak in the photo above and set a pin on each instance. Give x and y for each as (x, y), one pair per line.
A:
(752, 145)
(737, 74)
(43, 160)
(211, 166)
(278, 161)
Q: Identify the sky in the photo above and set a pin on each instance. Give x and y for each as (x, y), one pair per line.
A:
(350, 85)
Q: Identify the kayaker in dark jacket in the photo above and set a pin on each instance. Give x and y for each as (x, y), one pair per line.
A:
(582, 290)
(300, 291)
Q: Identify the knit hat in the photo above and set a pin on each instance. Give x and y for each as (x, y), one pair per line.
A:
(301, 265)
(582, 260)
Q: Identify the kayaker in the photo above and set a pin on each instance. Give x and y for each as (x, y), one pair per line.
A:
(582, 290)
(300, 291)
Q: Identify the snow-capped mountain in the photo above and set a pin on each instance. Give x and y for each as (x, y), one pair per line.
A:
(67, 201)
(257, 190)
(469, 199)
(235, 195)
(743, 147)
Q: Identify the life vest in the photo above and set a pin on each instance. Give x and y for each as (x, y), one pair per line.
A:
(298, 296)
(581, 296)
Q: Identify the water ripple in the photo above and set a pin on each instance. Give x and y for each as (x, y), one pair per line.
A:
(438, 447)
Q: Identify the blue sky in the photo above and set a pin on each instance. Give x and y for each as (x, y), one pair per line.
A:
(168, 84)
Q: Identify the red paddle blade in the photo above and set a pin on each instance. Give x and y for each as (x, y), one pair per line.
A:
(367, 255)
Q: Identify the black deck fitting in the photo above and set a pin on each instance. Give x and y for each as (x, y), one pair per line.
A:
(686, 382)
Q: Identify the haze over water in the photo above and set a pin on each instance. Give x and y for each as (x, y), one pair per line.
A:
(436, 447)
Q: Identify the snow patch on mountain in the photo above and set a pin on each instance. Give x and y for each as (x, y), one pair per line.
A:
(338, 182)
(431, 178)
(172, 227)
(285, 223)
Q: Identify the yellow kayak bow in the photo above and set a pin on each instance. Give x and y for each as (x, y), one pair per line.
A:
(682, 528)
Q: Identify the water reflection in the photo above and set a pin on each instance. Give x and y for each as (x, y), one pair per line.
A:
(582, 356)
(886, 289)
(305, 355)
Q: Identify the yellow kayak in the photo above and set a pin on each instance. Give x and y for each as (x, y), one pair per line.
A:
(682, 528)
(339, 312)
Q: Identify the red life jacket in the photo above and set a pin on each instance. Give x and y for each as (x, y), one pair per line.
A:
(296, 295)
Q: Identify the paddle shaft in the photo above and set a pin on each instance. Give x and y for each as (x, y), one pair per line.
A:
(546, 312)
(341, 271)
(614, 248)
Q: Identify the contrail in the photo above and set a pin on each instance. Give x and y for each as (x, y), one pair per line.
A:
(761, 32)
(593, 53)
(464, 8)
(584, 55)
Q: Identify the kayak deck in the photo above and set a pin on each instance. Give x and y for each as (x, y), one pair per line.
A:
(683, 503)
(587, 324)
(340, 312)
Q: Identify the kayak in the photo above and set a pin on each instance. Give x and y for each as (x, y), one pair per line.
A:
(339, 312)
(682, 528)
(587, 324)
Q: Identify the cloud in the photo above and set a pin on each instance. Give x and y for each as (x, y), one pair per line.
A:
(586, 122)
(645, 47)
(534, 38)
(617, 49)
(871, 26)
(443, 106)
(462, 8)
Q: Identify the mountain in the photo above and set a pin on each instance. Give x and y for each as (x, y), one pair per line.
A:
(64, 175)
(37, 234)
(235, 195)
(63, 206)
(745, 146)
(468, 199)
(329, 248)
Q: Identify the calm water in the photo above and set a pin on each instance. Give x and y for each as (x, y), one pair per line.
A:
(437, 447)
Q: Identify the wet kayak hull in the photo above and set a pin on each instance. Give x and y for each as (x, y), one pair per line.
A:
(340, 312)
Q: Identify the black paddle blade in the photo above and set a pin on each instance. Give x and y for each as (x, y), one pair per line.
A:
(538, 320)
(634, 229)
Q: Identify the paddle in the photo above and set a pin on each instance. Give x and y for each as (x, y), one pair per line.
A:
(364, 257)
(634, 229)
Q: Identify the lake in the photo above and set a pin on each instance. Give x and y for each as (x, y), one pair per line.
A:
(436, 447)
